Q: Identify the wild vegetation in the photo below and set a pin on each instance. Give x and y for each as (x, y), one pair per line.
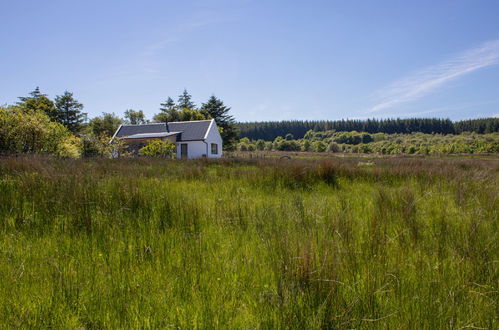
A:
(337, 243)
(270, 130)
(379, 143)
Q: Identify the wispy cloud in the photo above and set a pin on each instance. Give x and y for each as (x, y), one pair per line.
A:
(427, 80)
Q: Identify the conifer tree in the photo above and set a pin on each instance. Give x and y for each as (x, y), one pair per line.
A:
(216, 109)
(38, 101)
(184, 101)
(168, 105)
(168, 112)
(69, 112)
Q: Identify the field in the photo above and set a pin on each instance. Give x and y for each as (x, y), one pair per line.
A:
(249, 243)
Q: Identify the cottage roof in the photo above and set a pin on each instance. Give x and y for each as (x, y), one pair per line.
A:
(150, 135)
(191, 130)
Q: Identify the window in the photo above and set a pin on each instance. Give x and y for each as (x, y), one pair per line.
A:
(214, 148)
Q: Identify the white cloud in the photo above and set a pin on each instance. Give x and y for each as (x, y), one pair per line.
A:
(427, 80)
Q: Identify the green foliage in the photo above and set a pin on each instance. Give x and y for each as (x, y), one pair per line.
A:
(32, 131)
(106, 124)
(69, 112)
(386, 144)
(287, 145)
(333, 147)
(270, 130)
(260, 145)
(215, 108)
(185, 101)
(168, 112)
(99, 146)
(394, 243)
(159, 149)
(168, 105)
(306, 145)
(319, 146)
(135, 117)
(38, 102)
(184, 114)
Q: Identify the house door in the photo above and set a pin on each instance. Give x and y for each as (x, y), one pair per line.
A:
(183, 150)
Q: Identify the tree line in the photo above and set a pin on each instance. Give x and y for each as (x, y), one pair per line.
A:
(38, 124)
(269, 130)
(379, 143)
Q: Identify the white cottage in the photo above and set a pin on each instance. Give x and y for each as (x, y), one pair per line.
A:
(193, 139)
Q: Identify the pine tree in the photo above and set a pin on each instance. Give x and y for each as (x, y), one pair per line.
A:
(38, 102)
(184, 101)
(69, 112)
(216, 109)
(168, 105)
(168, 112)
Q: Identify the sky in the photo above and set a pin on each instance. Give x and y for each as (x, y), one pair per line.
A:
(267, 60)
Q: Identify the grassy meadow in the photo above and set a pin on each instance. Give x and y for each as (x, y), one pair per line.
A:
(249, 243)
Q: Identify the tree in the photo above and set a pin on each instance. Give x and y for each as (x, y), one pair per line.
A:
(106, 124)
(69, 112)
(216, 109)
(168, 112)
(184, 101)
(319, 146)
(333, 147)
(260, 144)
(184, 114)
(187, 114)
(135, 117)
(30, 131)
(38, 102)
(168, 105)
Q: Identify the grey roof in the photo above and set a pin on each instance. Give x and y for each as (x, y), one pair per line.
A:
(150, 135)
(127, 130)
(190, 130)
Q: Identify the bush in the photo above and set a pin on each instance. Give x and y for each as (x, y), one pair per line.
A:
(158, 149)
(333, 147)
(33, 132)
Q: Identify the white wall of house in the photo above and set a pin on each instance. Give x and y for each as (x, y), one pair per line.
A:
(195, 149)
(213, 136)
(199, 149)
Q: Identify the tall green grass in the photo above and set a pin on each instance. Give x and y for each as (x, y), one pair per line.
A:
(403, 243)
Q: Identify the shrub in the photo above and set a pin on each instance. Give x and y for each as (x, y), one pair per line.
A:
(333, 147)
(158, 149)
(33, 132)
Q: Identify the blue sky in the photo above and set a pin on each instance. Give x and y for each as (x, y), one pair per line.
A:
(268, 60)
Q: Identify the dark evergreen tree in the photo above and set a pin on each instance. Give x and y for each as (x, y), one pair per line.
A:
(69, 112)
(38, 102)
(168, 112)
(270, 130)
(184, 101)
(168, 105)
(215, 108)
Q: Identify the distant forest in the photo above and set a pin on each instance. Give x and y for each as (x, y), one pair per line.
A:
(269, 130)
